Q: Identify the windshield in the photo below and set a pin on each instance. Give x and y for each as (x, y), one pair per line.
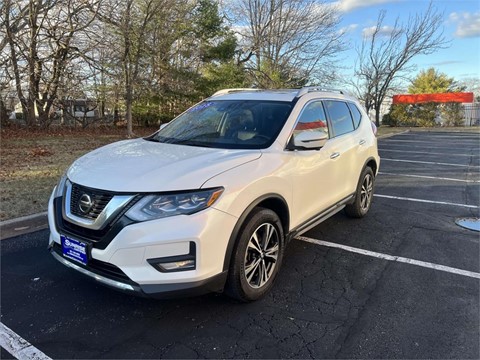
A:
(228, 124)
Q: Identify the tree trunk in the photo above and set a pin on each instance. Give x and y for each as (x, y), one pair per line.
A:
(3, 114)
(377, 116)
(29, 111)
(128, 100)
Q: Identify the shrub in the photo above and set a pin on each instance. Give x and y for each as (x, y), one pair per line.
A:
(412, 115)
(453, 114)
(399, 115)
(425, 114)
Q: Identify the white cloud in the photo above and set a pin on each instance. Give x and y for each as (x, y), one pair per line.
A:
(349, 28)
(384, 31)
(468, 24)
(447, 62)
(349, 5)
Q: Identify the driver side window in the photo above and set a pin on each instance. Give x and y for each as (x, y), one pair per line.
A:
(312, 118)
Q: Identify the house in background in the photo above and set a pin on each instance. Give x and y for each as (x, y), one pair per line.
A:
(67, 111)
(78, 109)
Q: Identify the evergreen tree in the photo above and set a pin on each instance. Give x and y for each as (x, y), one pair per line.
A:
(431, 81)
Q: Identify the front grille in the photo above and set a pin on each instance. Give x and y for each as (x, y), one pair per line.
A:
(99, 199)
(99, 238)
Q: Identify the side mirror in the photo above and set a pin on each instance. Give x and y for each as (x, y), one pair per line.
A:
(163, 125)
(309, 140)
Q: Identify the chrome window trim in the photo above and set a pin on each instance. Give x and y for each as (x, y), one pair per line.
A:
(114, 206)
(331, 121)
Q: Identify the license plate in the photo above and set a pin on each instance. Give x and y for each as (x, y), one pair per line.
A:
(74, 249)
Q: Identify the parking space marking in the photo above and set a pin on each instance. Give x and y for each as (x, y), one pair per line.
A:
(427, 152)
(473, 142)
(459, 135)
(426, 201)
(411, 146)
(428, 177)
(392, 258)
(430, 163)
(19, 347)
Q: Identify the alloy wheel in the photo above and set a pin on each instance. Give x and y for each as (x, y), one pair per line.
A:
(366, 192)
(261, 255)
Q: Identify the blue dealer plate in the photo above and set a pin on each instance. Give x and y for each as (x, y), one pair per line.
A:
(74, 249)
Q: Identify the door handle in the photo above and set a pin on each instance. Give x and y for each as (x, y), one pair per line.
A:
(362, 142)
(334, 155)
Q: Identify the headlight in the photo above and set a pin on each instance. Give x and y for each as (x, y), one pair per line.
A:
(60, 186)
(159, 206)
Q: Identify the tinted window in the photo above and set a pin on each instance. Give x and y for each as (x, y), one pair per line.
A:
(231, 124)
(357, 115)
(339, 116)
(312, 118)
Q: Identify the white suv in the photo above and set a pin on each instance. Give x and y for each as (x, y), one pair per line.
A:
(209, 202)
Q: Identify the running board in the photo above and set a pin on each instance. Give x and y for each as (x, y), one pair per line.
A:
(309, 224)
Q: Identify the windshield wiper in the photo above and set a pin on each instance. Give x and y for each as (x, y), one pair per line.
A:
(189, 142)
(151, 138)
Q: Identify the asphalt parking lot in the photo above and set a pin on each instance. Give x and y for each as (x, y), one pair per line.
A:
(401, 283)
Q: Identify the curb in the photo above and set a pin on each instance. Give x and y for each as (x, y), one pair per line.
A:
(23, 225)
(392, 134)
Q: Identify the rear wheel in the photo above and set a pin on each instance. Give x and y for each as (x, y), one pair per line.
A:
(257, 256)
(363, 195)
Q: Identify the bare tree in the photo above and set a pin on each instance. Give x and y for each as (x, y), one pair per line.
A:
(134, 21)
(41, 48)
(288, 42)
(386, 53)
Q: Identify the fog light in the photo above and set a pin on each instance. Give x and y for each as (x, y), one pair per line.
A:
(176, 263)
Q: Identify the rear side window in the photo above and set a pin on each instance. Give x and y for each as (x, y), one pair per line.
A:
(357, 115)
(340, 117)
(312, 118)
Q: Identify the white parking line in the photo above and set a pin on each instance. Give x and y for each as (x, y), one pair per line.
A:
(431, 163)
(18, 347)
(437, 135)
(426, 201)
(412, 146)
(392, 258)
(473, 142)
(429, 177)
(428, 153)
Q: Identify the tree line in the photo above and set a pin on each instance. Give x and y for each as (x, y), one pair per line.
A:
(148, 60)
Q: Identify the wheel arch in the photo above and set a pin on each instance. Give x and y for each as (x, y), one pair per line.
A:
(273, 202)
(371, 163)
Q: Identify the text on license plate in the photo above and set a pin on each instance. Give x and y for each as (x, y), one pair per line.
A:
(74, 249)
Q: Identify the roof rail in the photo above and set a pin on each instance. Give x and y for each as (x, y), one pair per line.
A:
(309, 89)
(228, 91)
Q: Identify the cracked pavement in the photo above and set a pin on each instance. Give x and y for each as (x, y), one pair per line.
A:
(326, 303)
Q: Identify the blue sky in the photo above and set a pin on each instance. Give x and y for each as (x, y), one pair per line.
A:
(460, 60)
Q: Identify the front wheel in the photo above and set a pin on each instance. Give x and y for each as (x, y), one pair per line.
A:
(257, 256)
(363, 195)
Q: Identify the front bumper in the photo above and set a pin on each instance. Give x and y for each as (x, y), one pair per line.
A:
(123, 263)
(161, 291)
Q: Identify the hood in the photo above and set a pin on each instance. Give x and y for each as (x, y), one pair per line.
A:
(145, 166)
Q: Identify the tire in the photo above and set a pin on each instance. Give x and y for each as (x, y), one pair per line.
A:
(363, 196)
(257, 256)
